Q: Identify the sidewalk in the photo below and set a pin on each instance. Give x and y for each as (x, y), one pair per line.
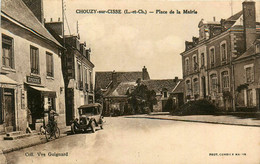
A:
(218, 119)
(7, 146)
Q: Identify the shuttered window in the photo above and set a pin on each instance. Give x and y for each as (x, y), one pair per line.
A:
(7, 52)
(34, 60)
(49, 64)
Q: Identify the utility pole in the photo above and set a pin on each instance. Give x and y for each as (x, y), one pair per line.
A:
(63, 20)
(231, 5)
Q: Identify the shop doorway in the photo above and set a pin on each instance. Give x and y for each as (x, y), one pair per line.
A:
(36, 106)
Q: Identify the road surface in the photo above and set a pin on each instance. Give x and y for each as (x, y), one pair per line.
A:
(141, 141)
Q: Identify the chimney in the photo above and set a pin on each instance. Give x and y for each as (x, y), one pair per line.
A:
(176, 78)
(114, 78)
(214, 19)
(145, 75)
(249, 22)
(36, 6)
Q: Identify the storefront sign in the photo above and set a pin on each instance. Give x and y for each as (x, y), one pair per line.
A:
(33, 79)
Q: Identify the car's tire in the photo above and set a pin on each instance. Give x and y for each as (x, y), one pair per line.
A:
(72, 127)
(101, 127)
(93, 126)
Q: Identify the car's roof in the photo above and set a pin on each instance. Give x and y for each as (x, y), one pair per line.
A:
(89, 105)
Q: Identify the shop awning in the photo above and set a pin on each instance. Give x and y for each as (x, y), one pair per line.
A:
(6, 80)
(45, 91)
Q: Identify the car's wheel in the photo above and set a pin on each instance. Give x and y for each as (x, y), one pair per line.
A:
(101, 126)
(72, 128)
(93, 126)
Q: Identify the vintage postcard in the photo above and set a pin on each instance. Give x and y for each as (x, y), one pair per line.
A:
(130, 82)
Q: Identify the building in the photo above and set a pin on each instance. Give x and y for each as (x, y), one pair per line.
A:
(31, 80)
(247, 79)
(208, 61)
(106, 84)
(177, 94)
(78, 76)
(163, 89)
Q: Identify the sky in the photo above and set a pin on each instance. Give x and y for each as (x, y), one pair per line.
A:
(127, 42)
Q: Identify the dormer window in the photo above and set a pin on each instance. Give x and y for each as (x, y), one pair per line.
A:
(257, 48)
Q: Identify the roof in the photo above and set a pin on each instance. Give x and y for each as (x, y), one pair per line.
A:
(122, 88)
(103, 79)
(235, 17)
(14, 8)
(6, 80)
(89, 105)
(158, 85)
(179, 87)
(249, 52)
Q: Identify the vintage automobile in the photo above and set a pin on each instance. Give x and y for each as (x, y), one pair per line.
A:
(89, 118)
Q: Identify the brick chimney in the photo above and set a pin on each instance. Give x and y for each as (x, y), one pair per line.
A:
(114, 78)
(145, 75)
(249, 21)
(36, 6)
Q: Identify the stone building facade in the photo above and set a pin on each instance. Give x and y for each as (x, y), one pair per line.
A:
(208, 61)
(78, 76)
(31, 80)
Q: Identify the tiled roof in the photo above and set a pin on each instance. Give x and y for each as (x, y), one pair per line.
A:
(158, 85)
(19, 12)
(104, 78)
(249, 52)
(235, 17)
(122, 88)
(179, 88)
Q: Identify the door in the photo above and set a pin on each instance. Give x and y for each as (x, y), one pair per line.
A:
(9, 113)
(203, 86)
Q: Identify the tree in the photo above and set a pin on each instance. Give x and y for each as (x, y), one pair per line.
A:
(141, 99)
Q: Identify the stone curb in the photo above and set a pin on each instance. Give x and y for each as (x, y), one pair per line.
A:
(197, 121)
(5, 151)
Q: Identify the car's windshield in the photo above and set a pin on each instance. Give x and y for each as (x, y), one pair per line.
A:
(89, 110)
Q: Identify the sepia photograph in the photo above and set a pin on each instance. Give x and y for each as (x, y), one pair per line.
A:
(130, 82)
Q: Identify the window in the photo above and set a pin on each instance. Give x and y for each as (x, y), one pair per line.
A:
(86, 78)
(51, 103)
(214, 82)
(187, 65)
(196, 86)
(194, 62)
(7, 51)
(188, 86)
(249, 74)
(165, 94)
(91, 81)
(225, 80)
(34, 60)
(212, 57)
(49, 64)
(202, 60)
(223, 51)
(80, 83)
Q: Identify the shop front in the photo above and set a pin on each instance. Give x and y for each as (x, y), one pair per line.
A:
(40, 101)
